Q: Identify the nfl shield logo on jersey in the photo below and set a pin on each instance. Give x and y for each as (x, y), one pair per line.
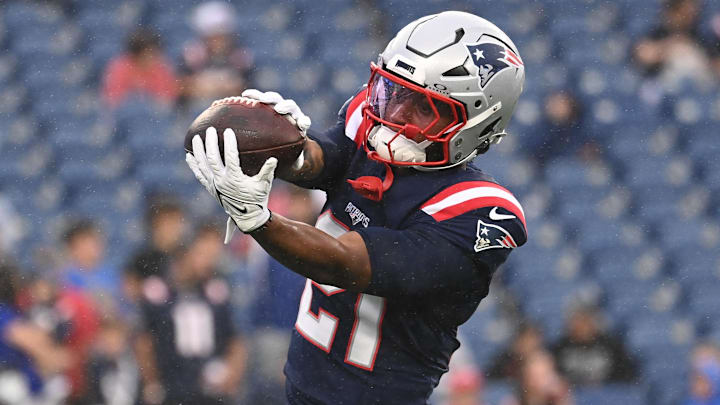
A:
(491, 58)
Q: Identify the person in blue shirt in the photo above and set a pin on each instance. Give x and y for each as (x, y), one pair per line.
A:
(86, 269)
(411, 232)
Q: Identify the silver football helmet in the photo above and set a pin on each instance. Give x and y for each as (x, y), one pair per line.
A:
(442, 92)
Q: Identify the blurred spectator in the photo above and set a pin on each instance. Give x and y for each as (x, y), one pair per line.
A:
(85, 269)
(189, 351)
(705, 376)
(28, 355)
(11, 226)
(588, 356)
(540, 383)
(674, 51)
(88, 288)
(463, 384)
(562, 131)
(141, 70)
(465, 387)
(216, 65)
(39, 301)
(527, 340)
(112, 371)
(714, 41)
(165, 220)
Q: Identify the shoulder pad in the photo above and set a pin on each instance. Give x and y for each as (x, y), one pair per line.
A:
(495, 215)
(351, 116)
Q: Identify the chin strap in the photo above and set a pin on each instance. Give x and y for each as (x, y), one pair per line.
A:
(372, 187)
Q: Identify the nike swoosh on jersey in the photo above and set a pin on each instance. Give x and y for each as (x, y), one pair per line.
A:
(499, 217)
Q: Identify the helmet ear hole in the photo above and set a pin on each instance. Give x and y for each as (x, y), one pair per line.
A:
(485, 137)
(478, 103)
(483, 147)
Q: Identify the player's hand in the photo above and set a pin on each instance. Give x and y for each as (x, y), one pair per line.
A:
(243, 197)
(288, 108)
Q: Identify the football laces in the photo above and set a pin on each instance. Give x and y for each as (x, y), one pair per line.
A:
(235, 100)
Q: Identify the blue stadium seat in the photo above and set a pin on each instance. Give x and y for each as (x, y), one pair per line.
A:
(165, 176)
(669, 392)
(630, 144)
(647, 171)
(702, 301)
(695, 265)
(81, 173)
(100, 21)
(579, 203)
(496, 392)
(549, 303)
(681, 232)
(23, 16)
(56, 106)
(597, 234)
(138, 110)
(711, 168)
(95, 203)
(632, 301)
(627, 264)
(611, 394)
(570, 172)
(655, 203)
(524, 272)
(662, 368)
(651, 336)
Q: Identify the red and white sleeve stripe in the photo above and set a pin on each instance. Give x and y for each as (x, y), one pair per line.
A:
(467, 196)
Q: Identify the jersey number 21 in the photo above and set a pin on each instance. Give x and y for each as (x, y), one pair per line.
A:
(320, 328)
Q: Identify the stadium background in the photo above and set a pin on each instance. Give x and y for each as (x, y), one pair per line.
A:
(633, 226)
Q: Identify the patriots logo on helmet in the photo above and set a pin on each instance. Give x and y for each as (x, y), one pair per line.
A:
(491, 58)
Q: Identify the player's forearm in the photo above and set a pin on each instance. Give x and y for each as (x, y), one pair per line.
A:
(308, 251)
(311, 167)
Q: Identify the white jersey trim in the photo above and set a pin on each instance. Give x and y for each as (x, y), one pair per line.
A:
(470, 194)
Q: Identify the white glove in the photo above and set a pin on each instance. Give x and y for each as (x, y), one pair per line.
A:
(244, 198)
(288, 108)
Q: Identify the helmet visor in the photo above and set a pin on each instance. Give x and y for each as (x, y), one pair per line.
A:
(418, 112)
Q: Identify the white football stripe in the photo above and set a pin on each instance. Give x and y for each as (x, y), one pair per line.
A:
(469, 194)
(354, 122)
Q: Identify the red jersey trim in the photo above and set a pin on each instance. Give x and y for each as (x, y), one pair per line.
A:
(470, 195)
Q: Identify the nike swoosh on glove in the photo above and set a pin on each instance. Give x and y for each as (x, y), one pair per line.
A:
(243, 197)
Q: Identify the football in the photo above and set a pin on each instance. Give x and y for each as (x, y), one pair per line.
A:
(260, 131)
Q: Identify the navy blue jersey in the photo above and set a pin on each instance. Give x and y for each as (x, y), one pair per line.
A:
(434, 241)
(190, 329)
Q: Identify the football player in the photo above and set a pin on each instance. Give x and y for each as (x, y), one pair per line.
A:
(411, 234)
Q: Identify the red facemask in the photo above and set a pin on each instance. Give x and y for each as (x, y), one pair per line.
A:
(413, 112)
